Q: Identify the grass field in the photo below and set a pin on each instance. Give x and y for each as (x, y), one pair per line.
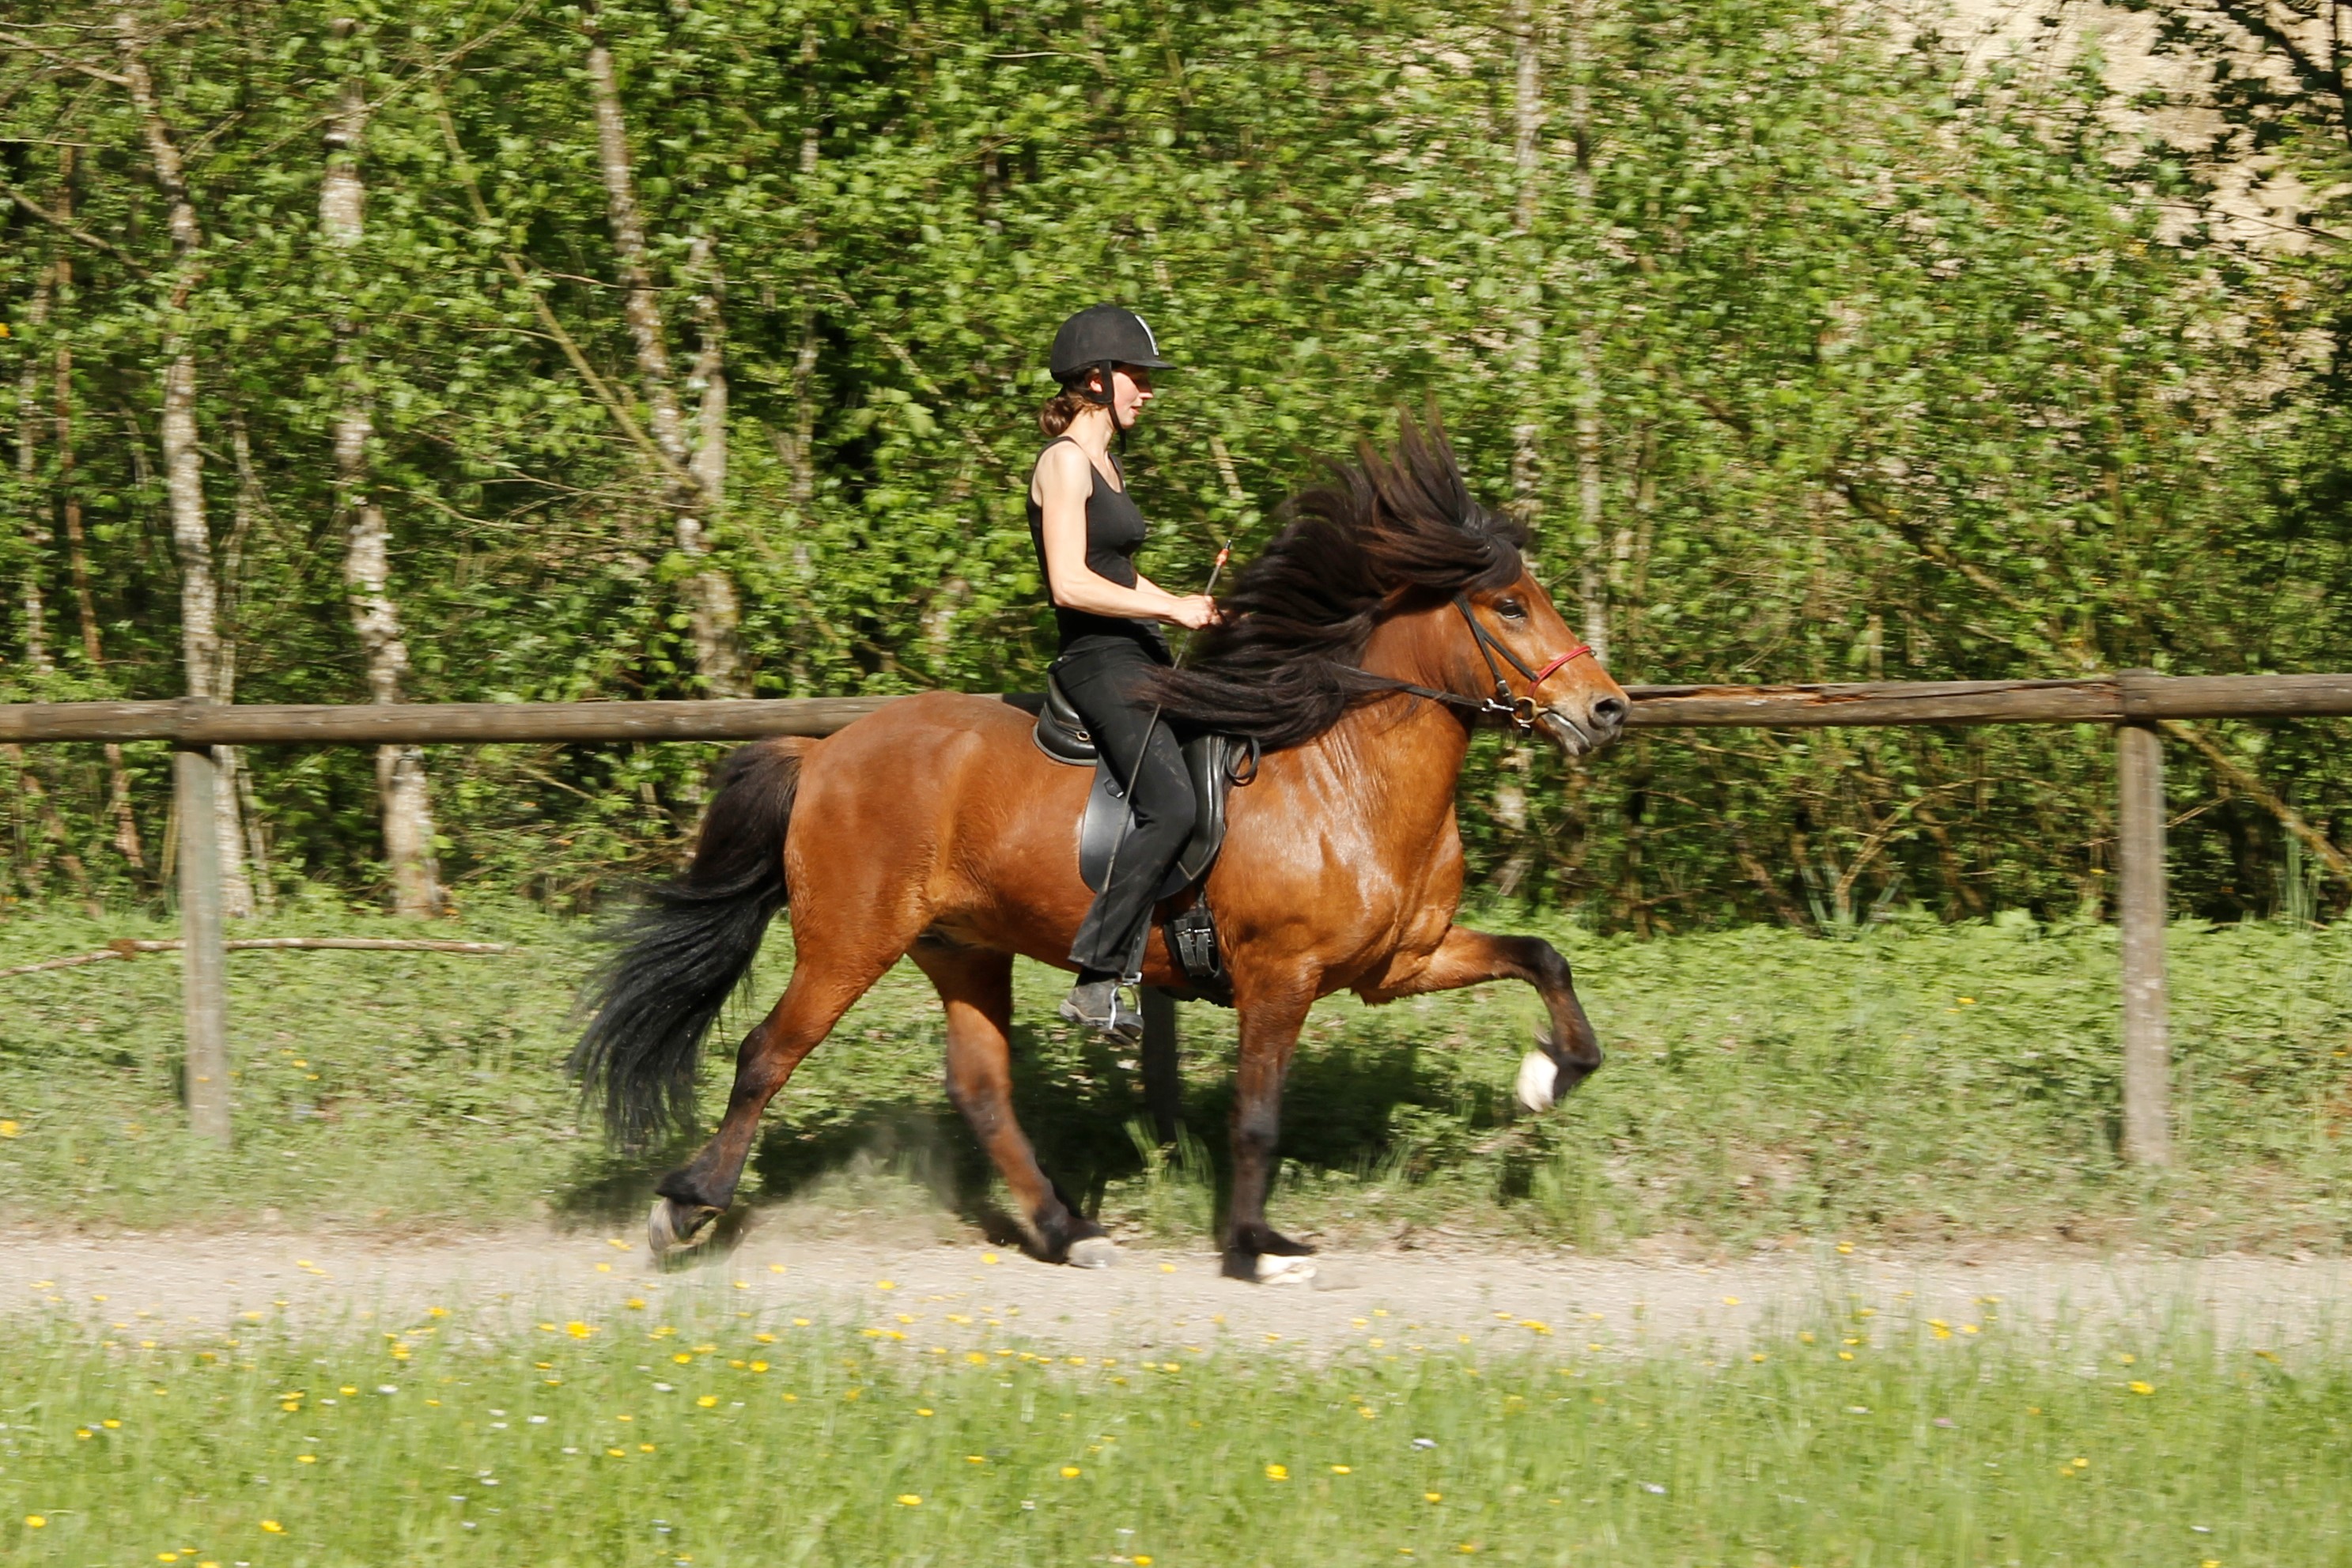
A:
(1914, 1082)
(750, 1439)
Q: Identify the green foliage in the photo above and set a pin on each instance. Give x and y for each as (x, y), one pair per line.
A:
(1915, 1082)
(784, 1441)
(1881, 365)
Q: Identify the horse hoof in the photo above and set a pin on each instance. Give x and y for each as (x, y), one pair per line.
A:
(1273, 1270)
(673, 1227)
(1093, 1252)
(1539, 1083)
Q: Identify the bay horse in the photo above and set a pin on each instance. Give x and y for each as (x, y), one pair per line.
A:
(1359, 650)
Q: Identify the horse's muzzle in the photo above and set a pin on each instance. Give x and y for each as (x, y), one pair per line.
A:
(1581, 725)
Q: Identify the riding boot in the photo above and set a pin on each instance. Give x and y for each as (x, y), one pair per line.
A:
(1101, 1006)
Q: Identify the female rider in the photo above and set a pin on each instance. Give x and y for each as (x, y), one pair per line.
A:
(1087, 528)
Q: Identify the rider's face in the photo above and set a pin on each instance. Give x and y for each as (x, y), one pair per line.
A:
(1131, 390)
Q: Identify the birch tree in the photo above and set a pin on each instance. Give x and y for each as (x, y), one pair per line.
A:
(402, 799)
(712, 605)
(200, 641)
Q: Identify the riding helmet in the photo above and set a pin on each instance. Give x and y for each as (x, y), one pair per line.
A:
(1100, 337)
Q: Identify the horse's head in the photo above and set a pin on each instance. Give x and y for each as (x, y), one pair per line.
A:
(1511, 644)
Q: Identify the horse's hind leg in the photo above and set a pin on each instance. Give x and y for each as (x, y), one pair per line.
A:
(977, 986)
(822, 987)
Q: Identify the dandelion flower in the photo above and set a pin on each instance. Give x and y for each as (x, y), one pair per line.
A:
(707, 1400)
(1433, 1497)
(975, 1459)
(273, 1527)
(921, 1411)
(577, 1329)
(306, 1458)
(2140, 1387)
(35, 1522)
(909, 1500)
(1343, 1469)
(1070, 1472)
(1278, 1473)
(682, 1357)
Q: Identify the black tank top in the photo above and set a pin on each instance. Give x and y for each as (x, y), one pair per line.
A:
(1115, 530)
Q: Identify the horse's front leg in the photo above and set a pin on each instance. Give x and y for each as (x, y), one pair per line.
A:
(1269, 1035)
(1567, 1054)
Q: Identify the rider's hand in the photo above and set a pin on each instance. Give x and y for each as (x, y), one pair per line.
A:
(1195, 610)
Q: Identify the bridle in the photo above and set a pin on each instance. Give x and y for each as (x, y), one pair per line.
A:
(1519, 710)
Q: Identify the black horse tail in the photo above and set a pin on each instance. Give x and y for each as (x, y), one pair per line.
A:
(687, 948)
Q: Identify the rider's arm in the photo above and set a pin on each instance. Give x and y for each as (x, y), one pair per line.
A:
(1065, 479)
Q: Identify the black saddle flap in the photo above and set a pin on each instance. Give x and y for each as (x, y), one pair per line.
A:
(1209, 759)
(1206, 760)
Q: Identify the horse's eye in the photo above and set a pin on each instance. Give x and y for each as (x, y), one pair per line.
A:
(1512, 609)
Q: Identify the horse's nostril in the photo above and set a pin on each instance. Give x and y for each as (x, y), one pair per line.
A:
(1610, 711)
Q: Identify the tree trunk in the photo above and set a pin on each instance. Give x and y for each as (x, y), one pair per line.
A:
(51, 825)
(1592, 531)
(1528, 29)
(716, 615)
(714, 608)
(28, 461)
(118, 773)
(1526, 357)
(183, 481)
(402, 799)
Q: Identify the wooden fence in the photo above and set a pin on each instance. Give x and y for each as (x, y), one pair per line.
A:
(2135, 702)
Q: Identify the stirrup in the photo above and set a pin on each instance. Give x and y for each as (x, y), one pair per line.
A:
(1121, 1022)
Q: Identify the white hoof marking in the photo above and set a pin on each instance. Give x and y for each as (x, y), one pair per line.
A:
(1539, 1081)
(661, 1231)
(1272, 1270)
(1094, 1252)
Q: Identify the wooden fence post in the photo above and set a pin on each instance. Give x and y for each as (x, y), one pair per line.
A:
(2140, 854)
(1163, 1088)
(204, 1001)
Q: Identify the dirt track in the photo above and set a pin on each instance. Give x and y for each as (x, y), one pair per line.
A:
(1152, 1298)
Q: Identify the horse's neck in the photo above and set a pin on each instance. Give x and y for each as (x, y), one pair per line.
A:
(1402, 756)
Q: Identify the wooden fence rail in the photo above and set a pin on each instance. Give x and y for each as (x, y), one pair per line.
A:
(2133, 702)
(2132, 696)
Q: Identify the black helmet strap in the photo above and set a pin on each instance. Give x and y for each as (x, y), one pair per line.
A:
(1109, 400)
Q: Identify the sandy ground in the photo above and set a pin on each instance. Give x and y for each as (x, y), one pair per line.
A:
(961, 1295)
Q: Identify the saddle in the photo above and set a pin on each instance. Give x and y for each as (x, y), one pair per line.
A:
(1216, 763)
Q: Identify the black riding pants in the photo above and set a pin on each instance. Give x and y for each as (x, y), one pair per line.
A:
(1100, 681)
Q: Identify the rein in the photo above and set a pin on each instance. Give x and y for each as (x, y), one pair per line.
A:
(1520, 710)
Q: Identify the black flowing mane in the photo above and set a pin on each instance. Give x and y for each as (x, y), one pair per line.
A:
(1279, 669)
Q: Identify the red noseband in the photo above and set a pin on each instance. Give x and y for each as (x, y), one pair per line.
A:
(1553, 668)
